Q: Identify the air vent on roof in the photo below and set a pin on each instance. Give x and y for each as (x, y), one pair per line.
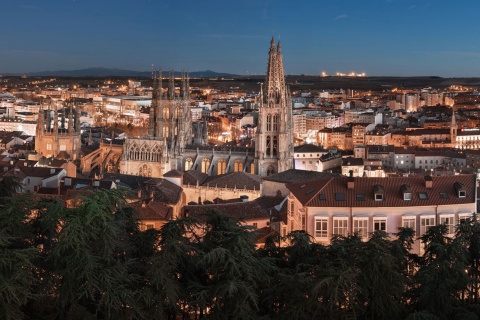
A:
(303, 186)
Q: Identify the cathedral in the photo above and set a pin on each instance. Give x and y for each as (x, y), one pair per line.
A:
(170, 143)
(169, 132)
(58, 132)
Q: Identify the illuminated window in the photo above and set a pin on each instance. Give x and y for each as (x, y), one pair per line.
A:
(188, 164)
(238, 165)
(205, 165)
(222, 165)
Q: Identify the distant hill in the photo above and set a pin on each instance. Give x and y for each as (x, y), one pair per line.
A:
(113, 72)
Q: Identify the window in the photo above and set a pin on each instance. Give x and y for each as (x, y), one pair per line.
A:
(322, 196)
(443, 195)
(49, 146)
(221, 166)
(378, 197)
(380, 224)
(304, 222)
(360, 197)
(449, 221)
(205, 165)
(321, 225)
(238, 165)
(149, 226)
(409, 222)
(422, 196)
(464, 217)
(340, 196)
(255, 225)
(340, 226)
(425, 223)
(360, 226)
(407, 196)
(63, 147)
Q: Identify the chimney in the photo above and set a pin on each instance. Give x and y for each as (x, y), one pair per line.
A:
(350, 181)
(428, 182)
(52, 170)
(244, 198)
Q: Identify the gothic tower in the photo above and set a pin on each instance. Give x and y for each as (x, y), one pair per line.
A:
(52, 140)
(453, 130)
(169, 131)
(274, 136)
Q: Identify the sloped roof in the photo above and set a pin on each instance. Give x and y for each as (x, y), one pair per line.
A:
(239, 180)
(152, 211)
(173, 174)
(296, 175)
(260, 208)
(192, 177)
(323, 192)
(308, 148)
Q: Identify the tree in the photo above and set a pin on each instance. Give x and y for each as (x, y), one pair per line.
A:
(232, 269)
(173, 269)
(17, 256)
(90, 262)
(441, 278)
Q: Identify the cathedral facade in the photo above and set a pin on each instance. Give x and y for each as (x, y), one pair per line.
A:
(274, 135)
(169, 132)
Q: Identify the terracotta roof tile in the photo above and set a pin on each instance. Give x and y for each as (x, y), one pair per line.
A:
(333, 192)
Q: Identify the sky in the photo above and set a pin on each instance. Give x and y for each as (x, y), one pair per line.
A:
(378, 37)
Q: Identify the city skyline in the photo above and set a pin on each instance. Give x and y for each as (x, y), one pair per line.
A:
(384, 38)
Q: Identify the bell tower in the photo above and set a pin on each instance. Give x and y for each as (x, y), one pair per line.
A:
(274, 136)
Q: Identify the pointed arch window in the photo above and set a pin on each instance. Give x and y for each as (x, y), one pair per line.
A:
(156, 153)
(166, 113)
(252, 168)
(166, 132)
(238, 165)
(134, 152)
(205, 165)
(222, 165)
(268, 146)
(188, 164)
(275, 146)
(275, 122)
(269, 122)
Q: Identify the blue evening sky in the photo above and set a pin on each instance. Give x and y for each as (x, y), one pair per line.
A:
(379, 37)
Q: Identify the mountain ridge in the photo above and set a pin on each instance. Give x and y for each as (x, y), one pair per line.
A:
(115, 72)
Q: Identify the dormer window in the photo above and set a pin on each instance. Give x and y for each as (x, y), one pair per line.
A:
(406, 192)
(378, 192)
(460, 190)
